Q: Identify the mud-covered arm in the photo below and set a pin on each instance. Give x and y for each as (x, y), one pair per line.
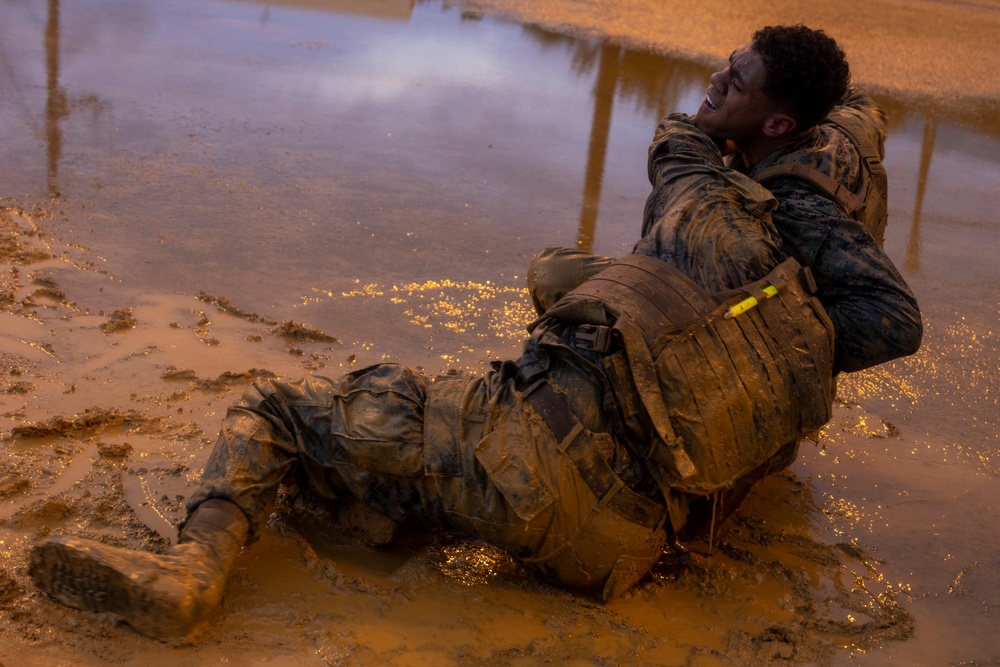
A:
(708, 220)
(874, 312)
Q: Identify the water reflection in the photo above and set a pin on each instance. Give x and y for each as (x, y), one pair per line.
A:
(629, 90)
(55, 107)
(600, 128)
(57, 103)
(657, 84)
(912, 262)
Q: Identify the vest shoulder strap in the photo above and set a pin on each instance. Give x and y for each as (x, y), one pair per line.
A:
(851, 203)
(868, 205)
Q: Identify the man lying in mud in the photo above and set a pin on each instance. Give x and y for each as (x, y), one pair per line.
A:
(825, 170)
(678, 373)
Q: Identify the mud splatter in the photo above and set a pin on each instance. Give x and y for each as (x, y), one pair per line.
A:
(292, 331)
(289, 330)
(222, 382)
(119, 321)
(91, 421)
(227, 306)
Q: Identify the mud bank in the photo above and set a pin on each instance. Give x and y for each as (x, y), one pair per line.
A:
(935, 49)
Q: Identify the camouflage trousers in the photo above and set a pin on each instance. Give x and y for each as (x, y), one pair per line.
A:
(470, 454)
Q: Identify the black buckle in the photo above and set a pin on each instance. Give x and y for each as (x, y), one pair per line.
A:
(592, 337)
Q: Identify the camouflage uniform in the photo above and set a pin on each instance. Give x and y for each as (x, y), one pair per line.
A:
(720, 247)
(708, 220)
(566, 495)
(453, 451)
(874, 313)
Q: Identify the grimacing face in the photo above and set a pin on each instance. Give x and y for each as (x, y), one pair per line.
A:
(735, 107)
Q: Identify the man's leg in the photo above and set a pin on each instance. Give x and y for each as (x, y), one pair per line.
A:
(164, 596)
(325, 435)
(556, 271)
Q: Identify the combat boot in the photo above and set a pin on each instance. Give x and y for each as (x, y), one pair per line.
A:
(164, 596)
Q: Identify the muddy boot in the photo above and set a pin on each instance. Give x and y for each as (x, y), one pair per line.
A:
(164, 596)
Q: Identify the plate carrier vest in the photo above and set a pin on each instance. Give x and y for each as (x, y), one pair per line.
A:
(723, 392)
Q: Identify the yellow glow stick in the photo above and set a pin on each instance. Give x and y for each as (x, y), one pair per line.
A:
(750, 302)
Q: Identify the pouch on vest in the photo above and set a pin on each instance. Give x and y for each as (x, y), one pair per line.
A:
(724, 393)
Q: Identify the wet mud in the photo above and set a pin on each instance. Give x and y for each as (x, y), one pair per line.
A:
(776, 585)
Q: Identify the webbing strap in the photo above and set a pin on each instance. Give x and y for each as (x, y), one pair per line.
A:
(852, 203)
(648, 386)
(575, 441)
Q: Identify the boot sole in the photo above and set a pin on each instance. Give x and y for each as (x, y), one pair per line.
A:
(77, 575)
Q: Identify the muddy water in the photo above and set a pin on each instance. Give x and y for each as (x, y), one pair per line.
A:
(197, 194)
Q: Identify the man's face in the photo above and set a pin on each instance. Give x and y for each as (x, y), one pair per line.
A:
(735, 107)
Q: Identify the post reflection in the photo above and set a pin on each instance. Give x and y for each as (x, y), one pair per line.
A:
(912, 261)
(652, 82)
(600, 128)
(55, 104)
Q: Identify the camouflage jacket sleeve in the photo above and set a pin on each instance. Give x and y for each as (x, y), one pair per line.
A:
(873, 310)
(710, 221)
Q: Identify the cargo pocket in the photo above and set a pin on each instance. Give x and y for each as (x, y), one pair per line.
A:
(606, 555)
(455, 413)
(509, 454)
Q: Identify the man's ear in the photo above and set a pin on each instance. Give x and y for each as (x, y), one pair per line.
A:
(779, 125)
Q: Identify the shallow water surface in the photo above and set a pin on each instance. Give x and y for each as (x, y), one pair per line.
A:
(383, 171)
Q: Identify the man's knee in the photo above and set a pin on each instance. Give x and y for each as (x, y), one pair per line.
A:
(555, 271)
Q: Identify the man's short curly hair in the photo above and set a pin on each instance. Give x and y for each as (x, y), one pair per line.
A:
(807, 72)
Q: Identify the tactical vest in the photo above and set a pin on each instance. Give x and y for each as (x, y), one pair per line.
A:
(725, 382)
(869, 204)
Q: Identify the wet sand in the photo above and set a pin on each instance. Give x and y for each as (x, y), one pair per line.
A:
(124, 340)
(930, 48)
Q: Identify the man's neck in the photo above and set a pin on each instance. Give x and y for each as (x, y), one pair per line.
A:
(769, 145)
